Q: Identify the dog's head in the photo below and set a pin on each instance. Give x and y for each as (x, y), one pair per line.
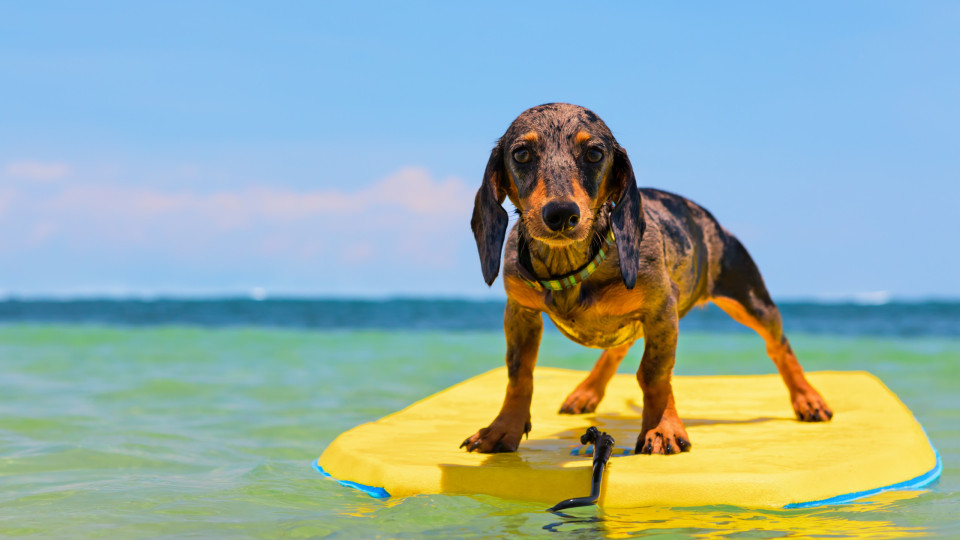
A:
(559, 164)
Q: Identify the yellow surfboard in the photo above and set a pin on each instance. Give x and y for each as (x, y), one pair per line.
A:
(748, 449)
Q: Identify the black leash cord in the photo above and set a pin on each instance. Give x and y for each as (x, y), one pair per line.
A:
(602, 448)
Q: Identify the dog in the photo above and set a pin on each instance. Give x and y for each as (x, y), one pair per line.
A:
(609, 263)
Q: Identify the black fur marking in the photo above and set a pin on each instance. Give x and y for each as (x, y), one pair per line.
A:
(627, 219)
(489, 221)
(514, 363)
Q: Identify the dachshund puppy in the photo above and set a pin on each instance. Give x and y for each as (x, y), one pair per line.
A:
(609, 264)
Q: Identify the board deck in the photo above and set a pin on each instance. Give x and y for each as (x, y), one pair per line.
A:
(748, 449)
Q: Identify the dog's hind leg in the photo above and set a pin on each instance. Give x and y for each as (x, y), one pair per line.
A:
(739, 290)
(588, 394)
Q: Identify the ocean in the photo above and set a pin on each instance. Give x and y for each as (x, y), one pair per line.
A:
(200, 418)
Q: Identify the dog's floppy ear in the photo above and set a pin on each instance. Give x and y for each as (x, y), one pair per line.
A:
(489, 222)
(626, 220)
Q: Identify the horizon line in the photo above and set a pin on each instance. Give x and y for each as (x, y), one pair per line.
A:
(256, 295)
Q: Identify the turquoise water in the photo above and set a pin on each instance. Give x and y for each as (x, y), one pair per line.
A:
(209, 432)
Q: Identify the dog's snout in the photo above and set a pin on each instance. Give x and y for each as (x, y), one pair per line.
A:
(561, 216)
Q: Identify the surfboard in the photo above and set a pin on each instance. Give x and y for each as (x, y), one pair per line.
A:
(748, 448)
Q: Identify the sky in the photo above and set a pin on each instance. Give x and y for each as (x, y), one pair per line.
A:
(333, 149)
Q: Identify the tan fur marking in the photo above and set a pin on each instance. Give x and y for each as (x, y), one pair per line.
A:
(580, 195)
(511, 189)
(581, 137)
(531, 137)
(537, 198)
(608, 184)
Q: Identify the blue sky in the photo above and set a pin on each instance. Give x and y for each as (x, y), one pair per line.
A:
(334, 148)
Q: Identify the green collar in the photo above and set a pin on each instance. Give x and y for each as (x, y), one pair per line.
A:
(571, 280)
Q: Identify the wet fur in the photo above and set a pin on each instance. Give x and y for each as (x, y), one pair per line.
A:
(670, 255)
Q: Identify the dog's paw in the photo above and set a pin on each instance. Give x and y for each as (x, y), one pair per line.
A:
(582, 400)
(810, 406)
(669, 437)
(502, 435)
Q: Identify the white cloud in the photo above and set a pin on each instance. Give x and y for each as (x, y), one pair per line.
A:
(410, 190)
(40, 231)
(360, 252)
(6, 198)
(408, 215)
(36, 170)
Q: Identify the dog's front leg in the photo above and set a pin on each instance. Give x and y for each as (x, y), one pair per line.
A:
(523, 328)
(662, 431)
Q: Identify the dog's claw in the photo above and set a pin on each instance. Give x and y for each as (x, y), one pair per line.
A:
(810, 406)
(502, 435)
(666, 438)
(583, 400)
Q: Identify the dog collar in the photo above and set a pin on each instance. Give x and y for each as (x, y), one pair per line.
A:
(571, 280)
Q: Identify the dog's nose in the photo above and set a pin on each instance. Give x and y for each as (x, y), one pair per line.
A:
(560, 216)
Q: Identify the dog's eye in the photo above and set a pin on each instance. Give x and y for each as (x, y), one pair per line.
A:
(521, 155)
(594, 155)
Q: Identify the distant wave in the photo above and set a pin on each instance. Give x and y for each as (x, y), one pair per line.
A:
(934, 318)
(871, 298)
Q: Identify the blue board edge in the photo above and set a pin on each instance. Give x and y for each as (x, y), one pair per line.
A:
(375, 492)
(923, 480)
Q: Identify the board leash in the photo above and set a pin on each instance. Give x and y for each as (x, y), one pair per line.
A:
(603, 448)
